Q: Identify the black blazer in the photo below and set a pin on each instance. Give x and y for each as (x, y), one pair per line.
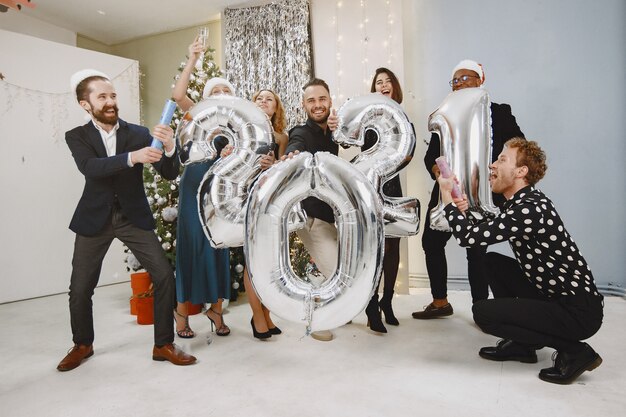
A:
(310, 137)
(504, 128)
(108, 179)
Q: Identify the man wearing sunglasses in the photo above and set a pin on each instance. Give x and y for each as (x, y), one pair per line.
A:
(466, 74)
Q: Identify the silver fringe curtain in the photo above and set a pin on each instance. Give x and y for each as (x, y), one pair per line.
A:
(270, 47)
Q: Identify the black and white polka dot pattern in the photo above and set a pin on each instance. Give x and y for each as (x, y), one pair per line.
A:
(545, 251)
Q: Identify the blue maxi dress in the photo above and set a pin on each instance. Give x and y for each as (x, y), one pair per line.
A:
(202, 272)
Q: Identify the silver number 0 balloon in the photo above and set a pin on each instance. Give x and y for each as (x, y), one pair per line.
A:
(463, 123)
(394, 149)
(360, 235)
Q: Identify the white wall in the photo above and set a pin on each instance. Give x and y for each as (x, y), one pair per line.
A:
(351, 39)
(39, 180)
(561, 65)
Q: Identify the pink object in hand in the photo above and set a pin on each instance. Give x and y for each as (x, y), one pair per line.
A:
(446, 172)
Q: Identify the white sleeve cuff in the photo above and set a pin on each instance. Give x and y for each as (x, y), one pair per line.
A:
(170, 153)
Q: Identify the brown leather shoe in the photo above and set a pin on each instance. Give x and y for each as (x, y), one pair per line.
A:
(75, 357)
(172, 353)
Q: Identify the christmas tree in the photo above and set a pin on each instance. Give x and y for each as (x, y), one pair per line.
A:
(163, 195)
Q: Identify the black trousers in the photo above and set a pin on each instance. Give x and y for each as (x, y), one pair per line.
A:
(520, 313)
(89, 252)
(434, 245)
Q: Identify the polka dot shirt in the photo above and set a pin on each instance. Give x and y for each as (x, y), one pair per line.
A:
(544, 249)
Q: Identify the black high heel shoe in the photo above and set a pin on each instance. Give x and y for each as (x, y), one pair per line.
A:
(374, 319)
(258, 335)
(275, 330)
(385, 306)
(222, 329)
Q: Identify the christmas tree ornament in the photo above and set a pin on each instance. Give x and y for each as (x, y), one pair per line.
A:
(169, 214)
(133, 262)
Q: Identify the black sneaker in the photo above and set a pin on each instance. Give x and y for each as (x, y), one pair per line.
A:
(432, 312)
(508, 350)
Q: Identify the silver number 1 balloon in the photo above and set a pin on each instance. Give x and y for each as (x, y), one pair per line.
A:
(463, 123)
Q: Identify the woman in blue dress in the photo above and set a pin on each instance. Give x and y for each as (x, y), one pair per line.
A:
(202, 272)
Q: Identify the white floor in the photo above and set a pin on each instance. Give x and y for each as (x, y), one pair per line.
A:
(419, 368)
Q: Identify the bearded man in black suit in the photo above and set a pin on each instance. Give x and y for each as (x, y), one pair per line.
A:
(110, 153)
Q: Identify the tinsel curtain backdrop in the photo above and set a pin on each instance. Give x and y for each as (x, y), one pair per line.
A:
(270, 47)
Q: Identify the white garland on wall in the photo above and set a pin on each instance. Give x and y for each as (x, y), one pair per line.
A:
(52, 108)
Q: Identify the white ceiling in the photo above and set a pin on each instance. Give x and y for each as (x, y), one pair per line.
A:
(115, 21)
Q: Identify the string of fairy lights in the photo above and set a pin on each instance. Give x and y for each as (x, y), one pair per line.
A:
(344, 11)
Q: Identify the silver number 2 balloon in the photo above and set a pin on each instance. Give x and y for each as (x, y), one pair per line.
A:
(463, 123)
(393, 150)
(360, 234)
(223, 192)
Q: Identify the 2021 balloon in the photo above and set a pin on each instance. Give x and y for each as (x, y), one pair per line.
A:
(463, 123)
(392, 152)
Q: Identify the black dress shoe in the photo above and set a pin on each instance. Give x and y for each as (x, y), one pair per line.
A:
(569, 366)
(431, 312)
(508, 350)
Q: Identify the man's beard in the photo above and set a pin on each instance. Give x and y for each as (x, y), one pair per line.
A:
(101, 117)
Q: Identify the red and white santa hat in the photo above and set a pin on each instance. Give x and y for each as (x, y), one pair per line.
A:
(472, 66)
(215, 81)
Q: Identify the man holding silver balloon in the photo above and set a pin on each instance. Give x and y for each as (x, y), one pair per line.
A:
(466, 74)
(547, 295)
(319, 236)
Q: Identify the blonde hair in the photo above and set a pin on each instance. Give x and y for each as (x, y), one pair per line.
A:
(279, 122)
